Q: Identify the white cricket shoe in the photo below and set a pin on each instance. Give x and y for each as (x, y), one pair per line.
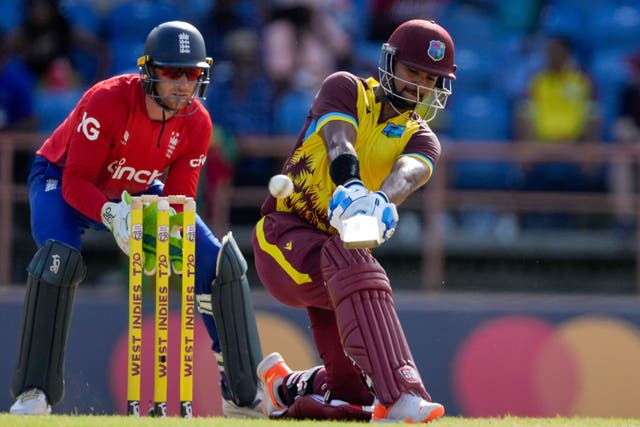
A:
(408, 409)
(272, 371)
(231, 410)
(31, 402)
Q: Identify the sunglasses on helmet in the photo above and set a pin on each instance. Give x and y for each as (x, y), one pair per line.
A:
(174, 73)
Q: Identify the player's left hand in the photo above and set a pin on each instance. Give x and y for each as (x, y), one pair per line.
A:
(343, 203)
(149, 236)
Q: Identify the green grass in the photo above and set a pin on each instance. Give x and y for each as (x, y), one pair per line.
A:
(118, 421)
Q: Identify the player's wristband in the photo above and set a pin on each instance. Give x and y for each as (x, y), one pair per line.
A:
(343, 168)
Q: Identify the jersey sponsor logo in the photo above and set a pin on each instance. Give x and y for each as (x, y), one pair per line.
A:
(393, 131)
(90, 127)
(436, 50)
(196, 163)
(119, 170)
(184, 43)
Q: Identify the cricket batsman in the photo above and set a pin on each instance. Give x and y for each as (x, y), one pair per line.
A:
(126, 134)
(364, 148)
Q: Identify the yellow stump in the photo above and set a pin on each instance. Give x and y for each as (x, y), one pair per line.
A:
(187, 315)
(134, 362)
(161, 309)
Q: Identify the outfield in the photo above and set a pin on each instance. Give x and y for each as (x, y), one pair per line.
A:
(117, 421)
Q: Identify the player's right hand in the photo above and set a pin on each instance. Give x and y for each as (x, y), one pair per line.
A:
(116, 217)
(341, 205)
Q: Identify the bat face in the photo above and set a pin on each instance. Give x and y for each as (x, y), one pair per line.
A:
(360, 231)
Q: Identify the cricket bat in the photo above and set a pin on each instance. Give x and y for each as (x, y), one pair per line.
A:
(360, 231)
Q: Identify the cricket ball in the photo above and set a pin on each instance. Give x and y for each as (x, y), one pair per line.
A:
(280, 186)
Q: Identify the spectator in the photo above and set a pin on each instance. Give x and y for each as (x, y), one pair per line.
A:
(303, 44)
(240, 100)
(16, 101)
(46, 36)
(560, 109)
(626, 131)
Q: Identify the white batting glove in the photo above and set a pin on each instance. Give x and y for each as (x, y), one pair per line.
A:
(343, 197)
(386, 214)
(354, 199)
(116, 217)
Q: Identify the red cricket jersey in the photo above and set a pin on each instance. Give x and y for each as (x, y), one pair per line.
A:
(108, 144)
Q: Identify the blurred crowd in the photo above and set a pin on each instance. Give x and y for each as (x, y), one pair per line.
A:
(549, 71)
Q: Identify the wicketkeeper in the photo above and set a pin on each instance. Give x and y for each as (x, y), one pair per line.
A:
(365, 147)
(123, 136)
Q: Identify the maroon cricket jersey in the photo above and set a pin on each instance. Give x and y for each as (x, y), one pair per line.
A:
(346, 97)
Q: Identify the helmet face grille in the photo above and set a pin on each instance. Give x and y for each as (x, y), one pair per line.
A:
(430, 100)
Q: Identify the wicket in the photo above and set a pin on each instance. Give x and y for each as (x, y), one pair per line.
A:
(187, 318)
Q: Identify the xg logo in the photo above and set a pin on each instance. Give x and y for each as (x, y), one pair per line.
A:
(194, 163)
(90, 127)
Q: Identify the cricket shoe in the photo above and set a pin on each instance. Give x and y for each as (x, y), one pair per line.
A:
(272, 371)
(254, 410)
(31, 402)
(409, 409)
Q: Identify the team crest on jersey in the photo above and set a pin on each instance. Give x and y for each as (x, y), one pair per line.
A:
(125, 138)
(436, 50)
(173, 142)
(392, 130)
(184, 43)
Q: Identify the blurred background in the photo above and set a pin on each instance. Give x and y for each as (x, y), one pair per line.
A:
(515, 268)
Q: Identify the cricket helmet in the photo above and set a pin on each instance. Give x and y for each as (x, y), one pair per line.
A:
(424, 46)
(174, 44)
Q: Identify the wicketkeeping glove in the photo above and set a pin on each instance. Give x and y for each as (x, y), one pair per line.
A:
(116, 217)
(149, 233)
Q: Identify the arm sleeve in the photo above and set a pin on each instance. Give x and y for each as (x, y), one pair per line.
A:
(184, 171)
(337, 99)
(88, 149)
(424, 146)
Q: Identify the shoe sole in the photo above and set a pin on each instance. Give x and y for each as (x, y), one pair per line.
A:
(435, 414)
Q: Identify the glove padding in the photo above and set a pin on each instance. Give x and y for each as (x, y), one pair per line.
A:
(116, 217)
(149, 235)
(353, 199)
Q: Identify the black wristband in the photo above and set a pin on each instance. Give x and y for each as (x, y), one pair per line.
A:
(343, 168)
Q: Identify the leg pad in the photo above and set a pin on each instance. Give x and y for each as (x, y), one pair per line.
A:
(53, 276)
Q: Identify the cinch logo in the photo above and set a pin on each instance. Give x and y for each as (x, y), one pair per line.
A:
(90, 127)
(118, 170)
(195, 163)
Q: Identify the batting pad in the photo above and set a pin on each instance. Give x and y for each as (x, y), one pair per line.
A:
(369, 327)
(236, 323)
